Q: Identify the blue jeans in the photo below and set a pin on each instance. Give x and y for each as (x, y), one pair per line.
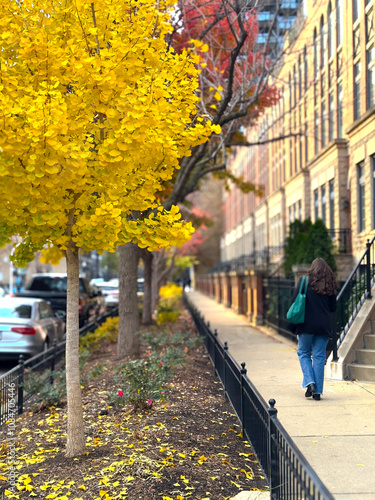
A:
(312, 357)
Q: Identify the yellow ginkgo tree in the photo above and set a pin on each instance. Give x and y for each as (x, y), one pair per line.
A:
(95, 113)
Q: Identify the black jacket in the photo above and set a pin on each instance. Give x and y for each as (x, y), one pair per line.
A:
(318, 313)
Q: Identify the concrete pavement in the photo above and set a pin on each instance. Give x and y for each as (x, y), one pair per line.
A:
(335, 434)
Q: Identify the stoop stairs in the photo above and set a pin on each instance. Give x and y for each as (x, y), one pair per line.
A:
(357, 352)
(363, 367)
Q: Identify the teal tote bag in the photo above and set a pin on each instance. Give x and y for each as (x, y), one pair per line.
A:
(296, 312)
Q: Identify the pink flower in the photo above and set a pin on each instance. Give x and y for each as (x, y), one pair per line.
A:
(120, 393)
(160, 363)
(150, 401)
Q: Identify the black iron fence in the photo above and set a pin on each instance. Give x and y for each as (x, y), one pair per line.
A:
(277, 294)
(289, 474)
(13, 384)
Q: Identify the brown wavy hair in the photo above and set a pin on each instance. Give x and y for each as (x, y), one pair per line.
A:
(321, 278)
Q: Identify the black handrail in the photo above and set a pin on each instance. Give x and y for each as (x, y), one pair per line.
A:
(288, 473)
(353, 294)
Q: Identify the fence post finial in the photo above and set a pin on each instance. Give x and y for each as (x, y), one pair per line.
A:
(272, 410)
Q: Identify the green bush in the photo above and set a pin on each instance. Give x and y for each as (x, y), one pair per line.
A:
(45, 393)
(143, 381)
(306, 242)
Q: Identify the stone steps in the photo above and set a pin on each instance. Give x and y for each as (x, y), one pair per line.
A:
(364, 366)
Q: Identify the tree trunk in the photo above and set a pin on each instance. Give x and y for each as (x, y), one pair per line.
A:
(147, 258)
(155, 281)
(128, 341)
(76, 437)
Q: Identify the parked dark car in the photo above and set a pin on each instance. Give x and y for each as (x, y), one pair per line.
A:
(27, 326)
(53, 288)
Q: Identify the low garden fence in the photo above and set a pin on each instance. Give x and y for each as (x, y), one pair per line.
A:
(288, 473)
(13, 384)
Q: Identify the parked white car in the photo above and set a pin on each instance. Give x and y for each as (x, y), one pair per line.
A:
(27, 326)
(110, 292)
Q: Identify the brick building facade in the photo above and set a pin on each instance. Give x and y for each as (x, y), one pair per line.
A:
(325, 168)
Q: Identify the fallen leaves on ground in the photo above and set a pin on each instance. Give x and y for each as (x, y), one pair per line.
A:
(187, 447)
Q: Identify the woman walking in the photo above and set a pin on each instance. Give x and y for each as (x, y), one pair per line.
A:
(314, 332)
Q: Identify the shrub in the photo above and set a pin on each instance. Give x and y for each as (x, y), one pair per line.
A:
(45, 393)
(169, 307)
(306, 242)
(142, 382)
(105, 333)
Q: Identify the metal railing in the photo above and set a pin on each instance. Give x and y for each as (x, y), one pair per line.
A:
(13, 393)
(353, 294)
(277, 294)
(288, 473)
(261, 259)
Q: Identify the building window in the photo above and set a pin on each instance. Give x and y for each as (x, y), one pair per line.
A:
(369, 23)
(361, 196)
(356, 10)
(323, 127)
(331, 25)
(300, 139)
(340, 107)
(332, 204)
(324, 203)
(357, 90)
(306, 67)
(316, 62)
(372, 158)
(316, 205)
(331, 124)
(339, 23)
(316, 131)
(295, 211)
(323, 43)
(370, 89)
(356, 41)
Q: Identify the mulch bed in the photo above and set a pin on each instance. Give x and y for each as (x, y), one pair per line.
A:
(188, 446)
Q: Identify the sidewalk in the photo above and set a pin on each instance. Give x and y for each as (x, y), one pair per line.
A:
(336, 434)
